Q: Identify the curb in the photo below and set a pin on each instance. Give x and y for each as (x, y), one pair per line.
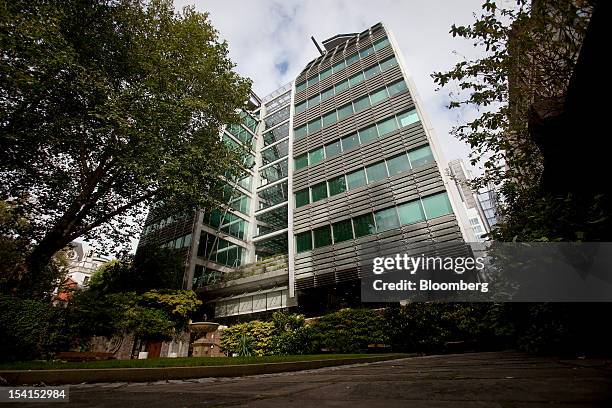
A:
(92, 375)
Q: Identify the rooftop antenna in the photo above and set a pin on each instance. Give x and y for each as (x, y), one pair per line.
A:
(316, 45)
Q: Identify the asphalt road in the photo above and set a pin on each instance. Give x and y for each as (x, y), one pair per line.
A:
(462, 380)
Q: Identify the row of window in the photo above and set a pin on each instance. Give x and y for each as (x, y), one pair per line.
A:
(350, 108)
(380, 44)
(379, 221)
(220, 251)
(345, 84)
(356, 139)
(364, 175)
(180, 242)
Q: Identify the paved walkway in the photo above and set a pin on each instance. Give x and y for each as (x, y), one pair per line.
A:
(462, 380)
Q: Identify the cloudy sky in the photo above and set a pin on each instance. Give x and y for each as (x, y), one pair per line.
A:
(269, 41)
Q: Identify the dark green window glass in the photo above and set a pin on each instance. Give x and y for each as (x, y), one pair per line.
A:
(372, 71)
(388, 63)
(322, 236)
(303, 241)
(301, 107)
(299, 132)
(384, 127)
(333, 149)
(356, 79)
(325, 74)
(352, 58)
(338, 66)
(313, 80)
(382, 43)
(345, 111)
(368, 134)
(366, 51)
(396, 87)
(376, 172)
(411, 212)
(319, 192)
(408, 118)
(398, 164)
(379, 96)
(350, 142)
(314, 125)
(364, 225)
(302, 198)
(301, 161)
(316, 156)
(341, 86)
(329, 119)
(386, 219)
(361, 104)
(343, 231)
(355, 179)
(421, 156)
(337, 185)
(314, 100)
(437, 205)
(300, 87)
(326, 94)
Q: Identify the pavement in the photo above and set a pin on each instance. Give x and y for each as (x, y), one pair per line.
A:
(497, 379)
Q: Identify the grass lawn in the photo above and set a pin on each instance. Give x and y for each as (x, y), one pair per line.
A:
(176, 362)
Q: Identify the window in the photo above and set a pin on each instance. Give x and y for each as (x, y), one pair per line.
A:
(364, 225)
(338, 66)
(345, 111)
(314, 100)
(388, 63)
(337, 185)
(350, 142)
(329, 119)
(343, 231)
(368, 134)
(420, 157)
(379, 96)
(398, 164)
(303, 241)
(326, 94)
(319, 192)
(372, 71)
(322, 236)
(384, 127)
(301, 107)
(382, 43)
(408, 118)
(333, 149)
(352, 58)
(302, 198)
(355, 179)
(325, 74)
(300, 87)
(396, 87)
(316, 156)
(341, 86)
(376, 172)
(410, 213)
(437, 205)
(386, 219)
(314, 125)
(356, 79)
(301, 161)
(300, 132)
(361, 104)
(366, 51)
(313, 80)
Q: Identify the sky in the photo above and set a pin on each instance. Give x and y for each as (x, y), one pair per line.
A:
(269, 40)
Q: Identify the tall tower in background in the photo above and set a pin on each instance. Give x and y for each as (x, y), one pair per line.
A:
(345, 161)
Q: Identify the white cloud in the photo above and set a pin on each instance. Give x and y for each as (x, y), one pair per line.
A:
(264, 33)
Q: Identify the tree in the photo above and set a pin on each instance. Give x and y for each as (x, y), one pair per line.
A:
(106, 106)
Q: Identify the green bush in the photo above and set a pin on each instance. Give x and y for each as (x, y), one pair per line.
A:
(259, 332)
